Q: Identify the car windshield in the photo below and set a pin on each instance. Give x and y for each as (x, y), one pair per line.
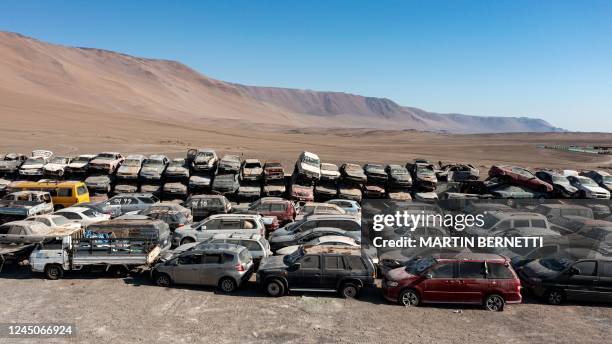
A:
(33, 161)
(586, 181)
(559, 180)
(555, 264)
(418, 266)
(153, 162)
(252, 165)
(132, 162)
(312, 161)
(205, 154)
(425, 171)
(399, 171)
(59, 160)
(105, 156)
(82, 159)
(290, 259)
(607, 179)
(329, 167)
(177, 163)
(60, 220)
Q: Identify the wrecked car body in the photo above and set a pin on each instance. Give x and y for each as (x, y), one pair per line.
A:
(230, 163)
(11, 162)
(80, 164)
(199, 183)
(308, 166)
(153, 168)
(375, 173)
(33, 166)
(130, 168)
(56, 167)
(178, 169)
(273, 170)
(561, 185)
(250, 191)
(202, 206)
(349, 191)
(325, 190)
(175, 190)
(301, 192)
(275, 188)
(124, 187)
(251, 170)
(353, 173)
(151, 187)
(398, 176)
(458, 173)
(373, 190)
(329, 172)
(226, 184)
(423, 176)
(202, 160)
(106, 162)
(100, 183)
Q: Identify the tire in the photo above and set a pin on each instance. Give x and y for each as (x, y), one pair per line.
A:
(349, 291)
(54, 272)
(227, 285)
(494, 303)
(163, 280)
(119, 271)
(409, 298)
(275, 288)
(554, 296)
(187, 241)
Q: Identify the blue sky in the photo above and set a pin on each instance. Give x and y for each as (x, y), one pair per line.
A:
(547, 59)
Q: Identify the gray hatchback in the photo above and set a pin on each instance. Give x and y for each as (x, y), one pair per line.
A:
(226, 266)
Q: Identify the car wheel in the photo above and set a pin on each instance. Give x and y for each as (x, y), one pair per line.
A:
(275, 288)
(119, 271)
(409, 297)
(187, 241)
(349, 291)
(227, 285)
(54, 272)
(494, 303)
(555, 297)
(163, 280)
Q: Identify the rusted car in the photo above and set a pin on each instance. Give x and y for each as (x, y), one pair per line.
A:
(373, 190)
(251, 170)
(203, 160)
(349, 191)
(398, 176)
(423, 175)
(153, 168)
(80, 164)
(273, 170)
(520, 176)
(106, 162)
(202, 206)
(274, 188)
(353, 173)
(302, 192)
(375, 173)
(329, 172)
(11, 162)
(130, 168)
(178, 169)
(229, 164)
(457, 173)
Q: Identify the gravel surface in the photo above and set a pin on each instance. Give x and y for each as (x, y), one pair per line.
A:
(115, 310)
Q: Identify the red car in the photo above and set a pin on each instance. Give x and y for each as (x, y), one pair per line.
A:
(520, 176)
(485, 279)
(273, 170)
(282, 209)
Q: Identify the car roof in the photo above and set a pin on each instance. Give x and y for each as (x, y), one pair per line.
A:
(467, 256)
(332, 216)
(24, 223)
(74, 209)
(216, 247)
(333, 249)
(230, 216)
(242, 236)
(503, 214)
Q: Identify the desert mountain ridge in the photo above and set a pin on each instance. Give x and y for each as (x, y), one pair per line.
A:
(43, 80)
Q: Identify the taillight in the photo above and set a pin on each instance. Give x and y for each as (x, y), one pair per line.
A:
(240, 267)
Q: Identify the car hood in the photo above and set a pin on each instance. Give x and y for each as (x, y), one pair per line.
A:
(272, 262)
(54, 167)
(28, 166)
(174, 186)
(125, 188)
(199, 180)
(400, 274)
(78, 164)
(274, 187)
(325, 189)
(249, 189)
(287, 250)
(152, 169)
(97, 180)
(374, 188)
(150, 188)
(101, 162)
(255, 171)
(176, 169)
(330, 174)
(349, 191)
(203, 160)
(401, 177)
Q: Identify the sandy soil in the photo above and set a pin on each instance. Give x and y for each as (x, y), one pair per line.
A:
(108, 310)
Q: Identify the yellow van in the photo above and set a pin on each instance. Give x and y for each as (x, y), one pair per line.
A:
(63, 193)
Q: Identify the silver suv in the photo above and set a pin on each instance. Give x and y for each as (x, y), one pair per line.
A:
(226, 266)
(218, 224)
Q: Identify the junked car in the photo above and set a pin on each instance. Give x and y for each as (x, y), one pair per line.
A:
(423, 176)
(126, 187)
(82, 215)
(203, 160)
(11, 162)
(226, 184)
(561, 185)
(325, 190)
(602, 178)
(519, 176)
(56, 167)
(257, 245)
(178, 169)
(349, 206)
(130, 168)
(373, 190)
(55, 221)
(153, 168)
(308, 166)
(106, 162)
(152, 187)
(329, 172)
(251, 170)
(333, 240)
(353, 173)
(132, 202)
(175, 190)
(230, 163)
(80, 164)
(301, 192)
(282, 209)
(278, 242)
(273, 170)
(33, 166)
(249, 190)
(274, 188)
(226, 266)
(24, 232)
(202, 206)
(375, 173)
(100, 183)
(217, 224)
(457, 173)
(398, 176)
(198, 183)
(312, 208)
(349, 191)
(588, 188)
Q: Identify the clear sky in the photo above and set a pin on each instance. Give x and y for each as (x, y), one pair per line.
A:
(550, 59)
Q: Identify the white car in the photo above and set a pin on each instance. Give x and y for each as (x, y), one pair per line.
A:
(33, 166)
(82, 215)
(587, 188)
(308, 165)
(336, 240)
(55, 221)
(329, 171)
(80, 164)
(56, 167)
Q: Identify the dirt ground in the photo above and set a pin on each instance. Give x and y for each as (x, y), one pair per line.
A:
(113, 310)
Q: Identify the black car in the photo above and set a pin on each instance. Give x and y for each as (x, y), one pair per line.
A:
(560, 279)
(398, 176)
(561, 185)
(202, 206)
(317, 268)
(375, 173)
(226, 184)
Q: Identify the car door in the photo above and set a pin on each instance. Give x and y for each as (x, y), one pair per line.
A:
(309, 272)
(212, 267)
(187, 270)
(471, 282)
(603, 287)
(333, 271)
(581, 279)
(208, 229)
(440, 283)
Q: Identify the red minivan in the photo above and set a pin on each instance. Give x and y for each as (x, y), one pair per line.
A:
(470, 278)
(283, 209)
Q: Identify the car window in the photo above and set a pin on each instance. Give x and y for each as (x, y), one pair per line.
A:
(355, 263)
(587, 268)
(348, 225)
(4, 229)
(505, 224)
(308, 225)
(229, 224)
(190, 259)
(64, 192)
(263, 207)
(81, 190)
(228, 257)
(606, 269)
(471, 270)
(498, 271)
(213, 224)
(521, 223)
(45, 221)
(538, 223)
(146, 200)
(333, 263)
(70, 215)
(278, 207)
(444, 270)
(89, 213)
(212, 258)
(311, 262)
